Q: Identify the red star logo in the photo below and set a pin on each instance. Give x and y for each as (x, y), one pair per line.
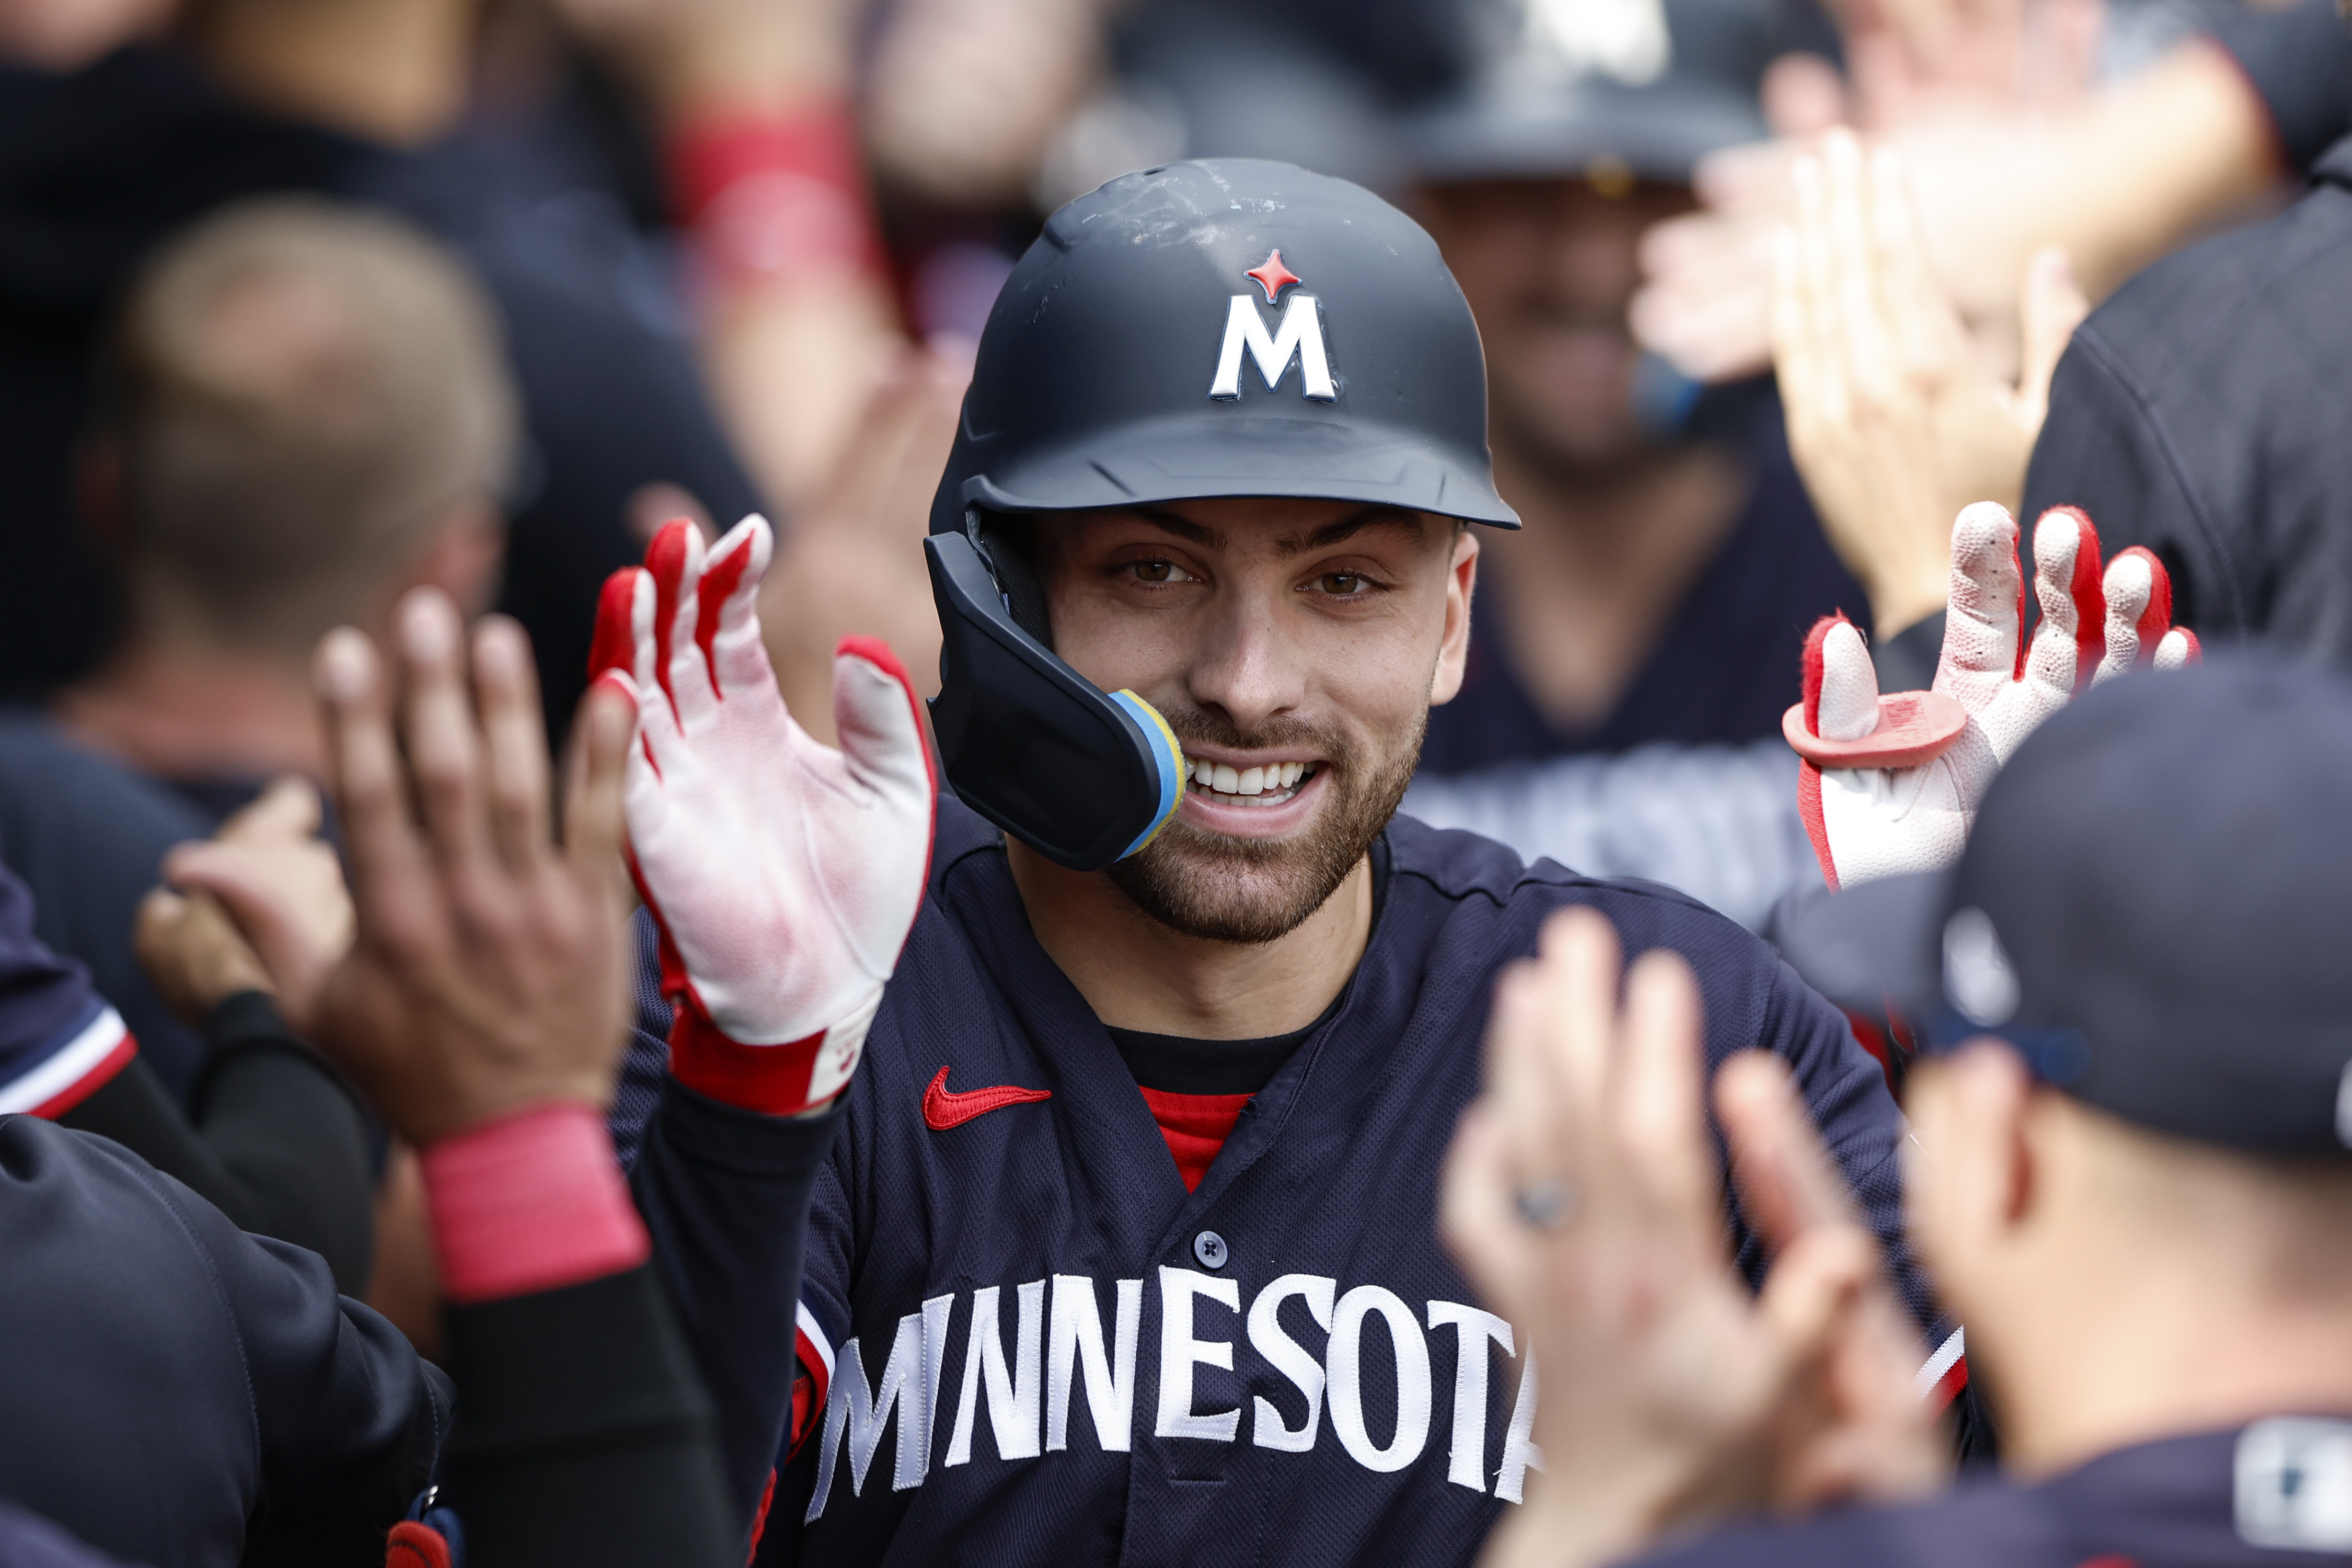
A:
(1272, 276)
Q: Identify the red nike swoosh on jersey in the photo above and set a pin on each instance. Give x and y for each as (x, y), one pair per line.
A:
(943, 1110)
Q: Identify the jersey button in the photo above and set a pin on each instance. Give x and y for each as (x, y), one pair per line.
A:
(1210, 1248)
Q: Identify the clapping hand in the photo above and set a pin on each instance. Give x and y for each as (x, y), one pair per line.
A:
(1583, 1199)
(488, 971)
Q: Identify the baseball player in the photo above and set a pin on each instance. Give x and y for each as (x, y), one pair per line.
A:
(2133, 1116)
(1125, 1251)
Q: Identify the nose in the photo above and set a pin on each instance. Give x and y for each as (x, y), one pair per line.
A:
(1243, 665)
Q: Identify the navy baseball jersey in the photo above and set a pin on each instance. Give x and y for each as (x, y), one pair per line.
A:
(1022, 1339)
(2275, 1494)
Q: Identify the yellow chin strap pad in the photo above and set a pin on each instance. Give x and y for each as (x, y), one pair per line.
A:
(1166, 753)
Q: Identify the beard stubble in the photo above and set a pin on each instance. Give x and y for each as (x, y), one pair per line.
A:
(1250, 891)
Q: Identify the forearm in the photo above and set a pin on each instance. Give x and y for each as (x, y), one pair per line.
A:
(275, 1142)
(2180, 149)
(767, 181)
(726, 1194)
(584, 1439)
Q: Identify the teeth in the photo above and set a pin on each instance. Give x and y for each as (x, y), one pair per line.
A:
(1272, 778)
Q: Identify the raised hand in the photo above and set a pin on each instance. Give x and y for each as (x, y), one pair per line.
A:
(1893, 420)
(784, 875)
(1582, 1198)
(489, 973)
(1890, 785)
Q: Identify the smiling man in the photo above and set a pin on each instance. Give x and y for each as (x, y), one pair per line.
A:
(1124, 1252)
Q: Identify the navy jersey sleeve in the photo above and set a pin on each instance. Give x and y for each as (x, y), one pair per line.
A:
(59, 1039)
(352, 1419)
(725, 1196)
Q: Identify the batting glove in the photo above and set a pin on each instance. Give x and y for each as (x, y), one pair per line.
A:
(1890, 784)
(784, 875)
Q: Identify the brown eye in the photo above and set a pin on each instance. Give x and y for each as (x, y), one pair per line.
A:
(1342, 584)
(1153, 570)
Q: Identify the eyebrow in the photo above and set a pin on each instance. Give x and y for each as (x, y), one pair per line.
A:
(1330, 533)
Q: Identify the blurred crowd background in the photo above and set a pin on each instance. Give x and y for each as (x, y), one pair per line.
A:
(305, 302)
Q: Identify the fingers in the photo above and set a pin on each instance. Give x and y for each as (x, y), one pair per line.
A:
(1841, 684)
(1579, 963)
(2072, 635)
(1985, 607)
(1523, 1085)
(1661, 1109)
(1476, 1216)
(1932, 339)
(1788, 1183)
(295, 940)
(728, 619)
(1811, 1293)
(364, 771)
(2052, 307)
(1860, 313)
(289, 808)
(1796, 359)
(2178, 649)
(445, 750)
(596, 776)
(1824, 309)
(514, 736)
(616, 644)
(2134, 620)
(879, 721)
(680, 663)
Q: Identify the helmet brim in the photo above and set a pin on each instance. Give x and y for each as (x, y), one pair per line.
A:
(1221, 451)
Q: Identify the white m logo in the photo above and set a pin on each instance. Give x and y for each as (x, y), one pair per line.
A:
(1301, 333)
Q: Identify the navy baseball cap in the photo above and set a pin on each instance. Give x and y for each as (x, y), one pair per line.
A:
(2154, 908)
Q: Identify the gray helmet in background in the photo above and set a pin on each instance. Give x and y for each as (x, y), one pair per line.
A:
(1219, 328)
(1610, 91)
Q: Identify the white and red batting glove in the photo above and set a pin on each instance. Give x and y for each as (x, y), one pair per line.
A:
(784, 875)
(1890, 784)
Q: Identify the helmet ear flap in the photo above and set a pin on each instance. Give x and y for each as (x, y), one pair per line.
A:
(1016, 579)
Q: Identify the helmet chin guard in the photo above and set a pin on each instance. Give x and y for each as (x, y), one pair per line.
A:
(1083, 776)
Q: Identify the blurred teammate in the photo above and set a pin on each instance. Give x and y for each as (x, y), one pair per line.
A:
(2138, 1202)
(1125, 1251)
(1620, 709)
(307, 412)
(1666, 576)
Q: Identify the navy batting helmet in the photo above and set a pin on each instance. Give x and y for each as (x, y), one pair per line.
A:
(1221, 328)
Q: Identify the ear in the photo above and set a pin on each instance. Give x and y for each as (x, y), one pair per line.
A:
(1454, 651)
(464, 559)
(1973, 1112)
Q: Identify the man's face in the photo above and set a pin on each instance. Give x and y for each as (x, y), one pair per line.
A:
(1295, 648)
(1549, 269)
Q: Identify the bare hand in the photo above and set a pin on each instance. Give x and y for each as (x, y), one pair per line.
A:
(1893, 419)
(851, 563)
(192, 954)
(1583, 1199)
(489, 971)
(274, 885)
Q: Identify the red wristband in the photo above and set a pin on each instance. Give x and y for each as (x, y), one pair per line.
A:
(775, 199)
(531, 1202)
